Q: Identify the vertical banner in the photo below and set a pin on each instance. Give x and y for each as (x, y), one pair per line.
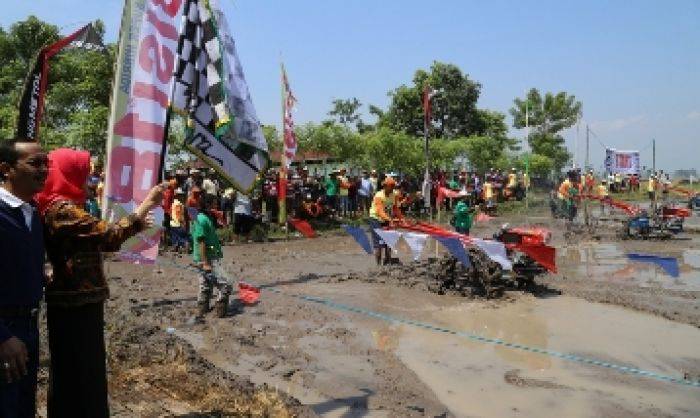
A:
(140, 98)
(289, 145)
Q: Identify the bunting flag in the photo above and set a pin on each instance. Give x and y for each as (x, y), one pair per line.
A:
(31, 105)
(248, 294)
(304, 227)
(290, 139)
(496, 251)
(416, 242)
(138, 114)
(360, 237)
(668, 264)
(456, 248)
(390, 238)
(482, 217)
(210, 88)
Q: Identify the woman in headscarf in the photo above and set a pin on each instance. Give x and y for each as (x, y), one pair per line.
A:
(76, 293)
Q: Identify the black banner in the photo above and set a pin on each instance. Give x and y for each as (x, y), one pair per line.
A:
(31, 104)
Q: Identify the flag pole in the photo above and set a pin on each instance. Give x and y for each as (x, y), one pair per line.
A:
(282, 192)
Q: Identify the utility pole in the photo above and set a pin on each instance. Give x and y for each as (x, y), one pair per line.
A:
(585, 167)
(588, 143)
(653, 173)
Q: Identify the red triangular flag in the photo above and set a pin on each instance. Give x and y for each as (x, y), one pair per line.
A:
(482, 217)
(248, 294)
(543, 254)
(303, 227)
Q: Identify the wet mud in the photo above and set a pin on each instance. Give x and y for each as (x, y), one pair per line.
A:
(287, 357)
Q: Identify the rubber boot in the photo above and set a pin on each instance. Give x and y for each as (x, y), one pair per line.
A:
(221, 307)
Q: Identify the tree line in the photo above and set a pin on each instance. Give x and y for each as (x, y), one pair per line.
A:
(77, 111)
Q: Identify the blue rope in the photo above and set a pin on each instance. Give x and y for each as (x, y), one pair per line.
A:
(472, 336)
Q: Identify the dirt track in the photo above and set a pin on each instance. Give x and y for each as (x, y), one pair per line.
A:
(338, 363)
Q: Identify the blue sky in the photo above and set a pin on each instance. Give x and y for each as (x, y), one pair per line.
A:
(634, 65)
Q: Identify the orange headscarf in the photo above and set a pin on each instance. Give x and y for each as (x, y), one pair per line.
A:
(68, 173)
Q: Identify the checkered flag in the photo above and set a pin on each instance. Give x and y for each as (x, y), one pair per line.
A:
(222, 129)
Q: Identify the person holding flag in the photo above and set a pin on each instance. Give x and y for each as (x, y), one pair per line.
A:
(380, 216)
(75, 295)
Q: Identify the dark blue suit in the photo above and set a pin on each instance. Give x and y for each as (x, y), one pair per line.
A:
(21, 286)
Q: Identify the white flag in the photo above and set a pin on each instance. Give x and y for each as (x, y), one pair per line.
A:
(390, 238)
(416, 242)
(496, 251)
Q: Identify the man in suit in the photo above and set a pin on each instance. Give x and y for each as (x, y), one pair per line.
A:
(23, 171)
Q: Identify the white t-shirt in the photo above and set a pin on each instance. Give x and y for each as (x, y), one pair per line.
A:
(242, 205)
(209, 187)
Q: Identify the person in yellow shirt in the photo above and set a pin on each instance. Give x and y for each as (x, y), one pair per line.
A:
(603, 192)
(343, 193)
(178, 233)
(489, 196)
(380, 216)
(652, 186)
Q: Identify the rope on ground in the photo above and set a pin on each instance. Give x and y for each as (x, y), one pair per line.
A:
(468, 335)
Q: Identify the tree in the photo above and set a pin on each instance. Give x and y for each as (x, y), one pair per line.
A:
(485, 152)
(387, 150)
(274, 142)
(454, 110)
(345, 111)
(548, 116)
(539, 165)
(77, 101)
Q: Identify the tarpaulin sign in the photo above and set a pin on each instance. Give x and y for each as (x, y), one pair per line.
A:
(142, 85)
(623, 162)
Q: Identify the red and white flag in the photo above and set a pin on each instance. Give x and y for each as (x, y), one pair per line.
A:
(290, 139)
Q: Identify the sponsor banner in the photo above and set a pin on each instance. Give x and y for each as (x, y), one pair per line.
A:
(142, 84)
(623, 162)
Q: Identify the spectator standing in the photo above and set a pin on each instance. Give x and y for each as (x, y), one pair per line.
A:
(365, 192)
(23, 170)
(331, 186)
(343, 193)
(178, 234)
(243, 217)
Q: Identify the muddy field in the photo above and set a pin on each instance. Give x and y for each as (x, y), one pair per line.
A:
(286, 356)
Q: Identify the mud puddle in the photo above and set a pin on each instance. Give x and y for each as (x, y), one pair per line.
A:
(608, 262)
(477, 379)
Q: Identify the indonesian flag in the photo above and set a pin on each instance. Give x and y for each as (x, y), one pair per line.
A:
(290, 139)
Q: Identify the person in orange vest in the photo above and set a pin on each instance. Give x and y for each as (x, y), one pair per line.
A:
(590, 182)
(380, 216)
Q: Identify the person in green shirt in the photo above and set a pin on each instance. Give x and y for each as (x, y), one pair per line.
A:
(463, 215)
(206, 253)
(332, 185)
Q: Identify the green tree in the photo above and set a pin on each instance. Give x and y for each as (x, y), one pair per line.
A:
(388, 150)
(454, 110)
(77, 100)
(274, 141)
(485, 152)
(345, 111)
(539, 165)
(547, 116)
